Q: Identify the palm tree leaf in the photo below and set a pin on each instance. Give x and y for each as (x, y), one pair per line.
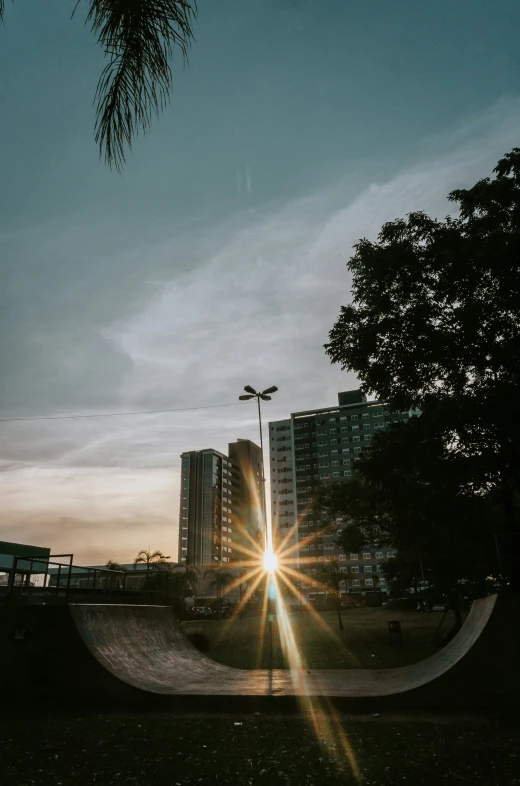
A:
(139, 37)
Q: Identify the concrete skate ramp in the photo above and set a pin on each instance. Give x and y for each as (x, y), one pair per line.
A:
(144, 648)
(138, 655)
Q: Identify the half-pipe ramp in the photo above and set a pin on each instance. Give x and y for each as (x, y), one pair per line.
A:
(138, 656)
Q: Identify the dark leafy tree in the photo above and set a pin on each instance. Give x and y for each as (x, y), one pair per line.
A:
(190, 581)
(138, 38)
(219, 579)
(434, 323)
(412, 492)
(113, 581)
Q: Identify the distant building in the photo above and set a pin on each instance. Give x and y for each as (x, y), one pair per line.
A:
(319, 447)
(220, 515)
(17, 557)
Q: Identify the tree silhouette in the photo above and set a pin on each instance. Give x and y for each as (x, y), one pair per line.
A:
(219, 579)
(138, 37)
(111, 565)
(191, 579)
(434, 323)
(331, 577)
(150, 558)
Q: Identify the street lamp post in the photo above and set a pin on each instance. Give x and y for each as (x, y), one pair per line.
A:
(268, 538)
(264, 396)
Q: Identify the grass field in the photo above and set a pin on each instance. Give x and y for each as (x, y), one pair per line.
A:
(251, 751)
(364, 642)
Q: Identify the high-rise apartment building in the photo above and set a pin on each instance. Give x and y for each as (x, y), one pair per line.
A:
(221, 504)
(319, 447)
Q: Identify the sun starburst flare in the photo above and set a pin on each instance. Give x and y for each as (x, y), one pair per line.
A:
(271, 575)
(270, 561)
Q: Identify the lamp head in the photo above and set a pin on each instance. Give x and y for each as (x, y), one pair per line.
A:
(264, 397)
(272, 389)
(245, 398)
(251, 390)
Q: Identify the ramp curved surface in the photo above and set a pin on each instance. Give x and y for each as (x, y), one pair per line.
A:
(144, 648)
(137, 656)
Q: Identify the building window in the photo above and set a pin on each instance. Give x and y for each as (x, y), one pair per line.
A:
(355, 569)
(357, 450)
(356, 439)
(390, 554)
(354, 556)
(355, 582)
(342, 557)
(379, 555)
(313, 548)
(368, 568)
(335, 463)
(335, 474)
(354, 417)
(369, 582)
(364, 415)
(366, 555)
(366, 426)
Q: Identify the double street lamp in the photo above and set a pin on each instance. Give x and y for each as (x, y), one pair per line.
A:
(264, 396)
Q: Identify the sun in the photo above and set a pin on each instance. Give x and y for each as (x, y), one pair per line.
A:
(270, 561)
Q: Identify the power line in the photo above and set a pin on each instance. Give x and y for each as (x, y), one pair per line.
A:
(118, 414)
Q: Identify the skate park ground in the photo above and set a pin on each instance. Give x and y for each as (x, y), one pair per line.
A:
(76, 749)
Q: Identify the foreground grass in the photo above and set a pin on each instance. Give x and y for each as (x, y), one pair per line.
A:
(364, 642)
(76, 751)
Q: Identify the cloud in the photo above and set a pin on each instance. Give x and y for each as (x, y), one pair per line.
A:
(90, 514)
(253, 307)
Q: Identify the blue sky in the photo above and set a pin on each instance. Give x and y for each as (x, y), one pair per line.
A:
(218, 258)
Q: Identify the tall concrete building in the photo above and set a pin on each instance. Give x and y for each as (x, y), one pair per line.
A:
(320, 447)
(220, 507)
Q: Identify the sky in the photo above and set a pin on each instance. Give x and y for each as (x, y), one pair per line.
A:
(218, 258)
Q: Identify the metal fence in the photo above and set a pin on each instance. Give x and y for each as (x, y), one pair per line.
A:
(56, 579)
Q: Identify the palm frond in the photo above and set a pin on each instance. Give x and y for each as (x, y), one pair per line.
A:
(2, 10)
(139, 37)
